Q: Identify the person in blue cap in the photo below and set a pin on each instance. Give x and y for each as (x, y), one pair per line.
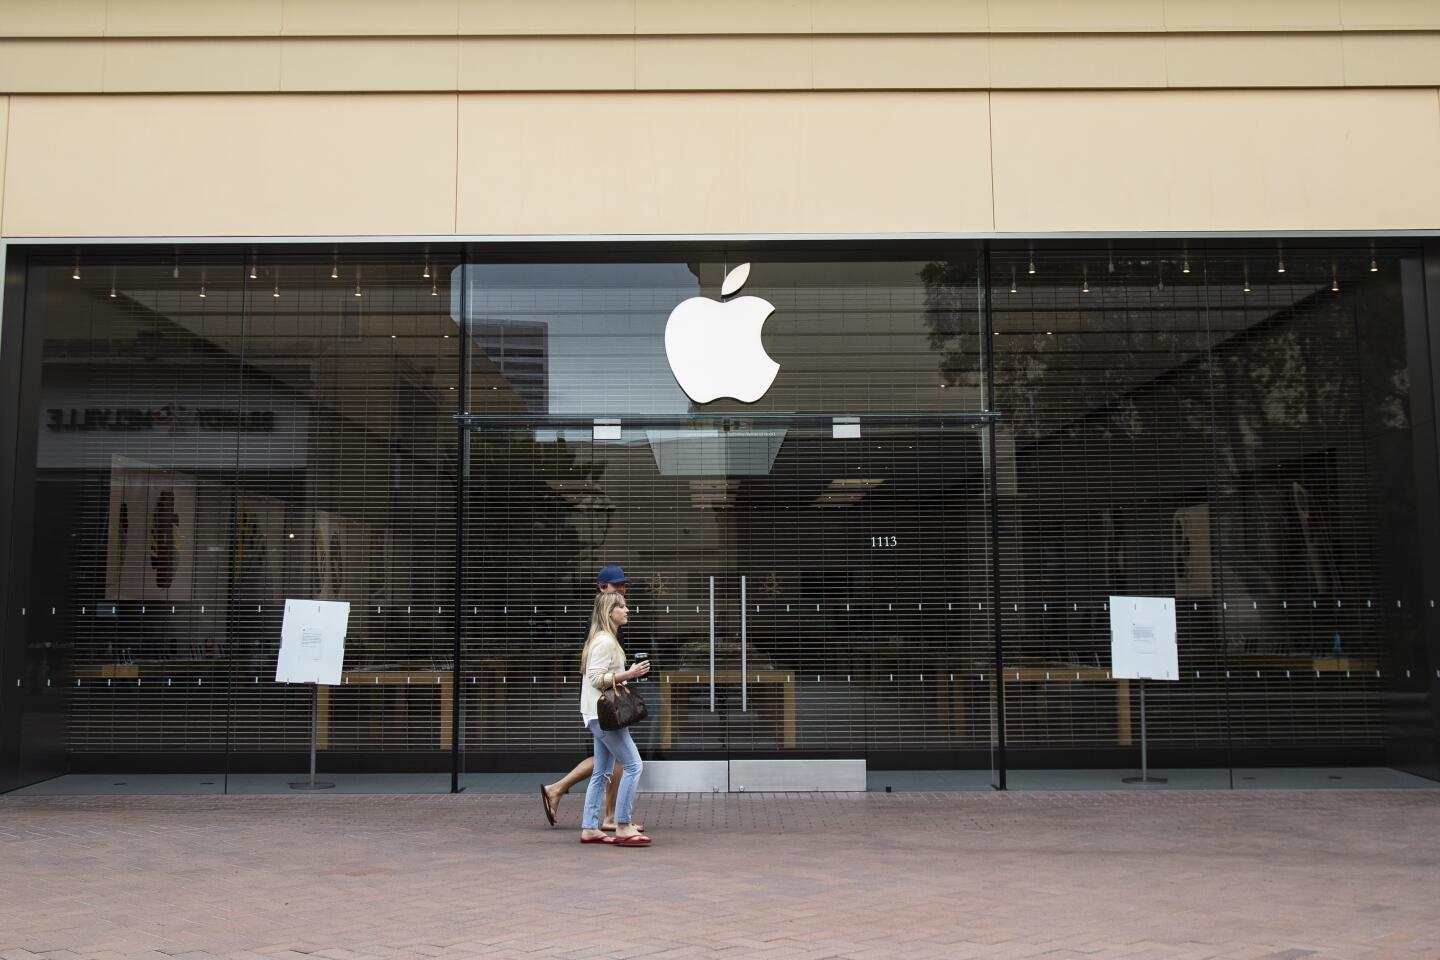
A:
(610, 579)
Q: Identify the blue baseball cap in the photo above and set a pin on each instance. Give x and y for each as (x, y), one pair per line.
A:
(610, 574)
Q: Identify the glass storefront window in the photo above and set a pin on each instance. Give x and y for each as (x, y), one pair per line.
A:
(961, 443)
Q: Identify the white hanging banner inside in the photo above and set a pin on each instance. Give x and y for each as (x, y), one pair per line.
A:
(1142, 639)
(312, 641)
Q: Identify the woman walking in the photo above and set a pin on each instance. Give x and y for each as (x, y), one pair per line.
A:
(610, 579)
(603, 661)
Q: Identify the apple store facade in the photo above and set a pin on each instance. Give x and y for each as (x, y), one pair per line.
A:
(872, 499)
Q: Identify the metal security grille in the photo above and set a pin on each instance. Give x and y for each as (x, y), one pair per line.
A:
(225, 432)
(847, 576)
(1196, 427)
(846, 581)
(220, 431)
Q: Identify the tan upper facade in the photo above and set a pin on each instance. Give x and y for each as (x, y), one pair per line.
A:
(141, 118)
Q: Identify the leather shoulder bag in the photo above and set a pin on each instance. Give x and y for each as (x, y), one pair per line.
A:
(620, 706)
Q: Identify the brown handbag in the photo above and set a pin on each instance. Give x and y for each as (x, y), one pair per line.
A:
(620, 706)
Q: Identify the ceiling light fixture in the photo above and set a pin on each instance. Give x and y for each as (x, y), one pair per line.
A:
(1280, 254)
(433, 291)
(112, 284)
(426, 274)
(335, 269)
(357, 284)
(254, 270)
(1246, 269)
(202, 283)
(1374, 267)
(1012, 279)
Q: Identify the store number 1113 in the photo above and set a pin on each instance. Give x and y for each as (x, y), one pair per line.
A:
(888, 541)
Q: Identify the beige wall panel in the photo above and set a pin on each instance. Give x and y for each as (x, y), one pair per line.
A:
(732, 16)
(410, 64)
(541, 17)
(52, 66)
(4, 126)
(52, 18)
(230, 165)
(1383, 59)
(924, 165)
(900, 16)
(705, 63)
(1252, 14)
(1060, 61)
(328, 18)
(189, 18)
(1390, 14)
(1089, 16)
(1255, 60)
(547, 63)
(1216, 160)
(613, 164)
(902, 62)
(210, 66)
(723, 163)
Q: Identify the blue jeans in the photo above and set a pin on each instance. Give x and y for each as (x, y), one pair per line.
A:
(610, 746)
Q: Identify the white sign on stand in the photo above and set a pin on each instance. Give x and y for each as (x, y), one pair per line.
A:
(1142, 647)
(312, 641)
(312, 650)
(1142, 639)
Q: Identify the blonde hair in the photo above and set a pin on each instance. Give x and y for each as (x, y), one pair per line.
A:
(601, 622)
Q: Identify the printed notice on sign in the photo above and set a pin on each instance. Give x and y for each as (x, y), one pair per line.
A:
(312, 641)
(1142, 639)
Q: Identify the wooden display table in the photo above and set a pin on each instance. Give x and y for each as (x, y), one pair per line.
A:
(669, 681)
(1252, 662)
(438, 679)
(146, 668)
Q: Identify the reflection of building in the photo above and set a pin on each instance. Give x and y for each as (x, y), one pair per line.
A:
(517, 350)
(1029, 358)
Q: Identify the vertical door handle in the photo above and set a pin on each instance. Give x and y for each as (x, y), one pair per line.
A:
(744, 660)
(712, 644)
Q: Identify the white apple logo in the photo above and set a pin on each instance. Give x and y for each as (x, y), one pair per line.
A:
(714, 346)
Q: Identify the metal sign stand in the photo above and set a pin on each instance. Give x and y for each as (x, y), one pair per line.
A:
(315, 734)
(1144, 748)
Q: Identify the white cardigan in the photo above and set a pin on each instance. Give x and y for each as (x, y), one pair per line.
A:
(606, 657)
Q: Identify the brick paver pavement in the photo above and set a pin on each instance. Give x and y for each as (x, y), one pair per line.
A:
(1278, 875)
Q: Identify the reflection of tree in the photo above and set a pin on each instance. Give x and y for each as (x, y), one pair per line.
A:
(1302, 364)
(1283, 410)
(532, 508)
(950, 301)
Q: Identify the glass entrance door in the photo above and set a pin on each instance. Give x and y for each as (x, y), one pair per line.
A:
(814, 595)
